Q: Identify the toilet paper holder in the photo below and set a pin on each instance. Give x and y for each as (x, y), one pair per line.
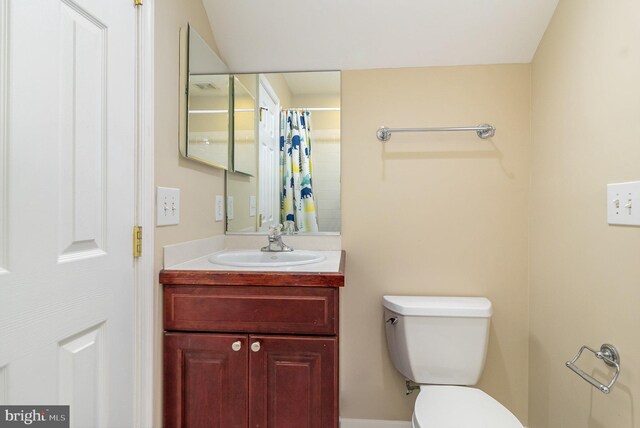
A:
(609, 354)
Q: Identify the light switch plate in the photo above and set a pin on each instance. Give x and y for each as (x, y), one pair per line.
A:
(623, 203)
(167, 206)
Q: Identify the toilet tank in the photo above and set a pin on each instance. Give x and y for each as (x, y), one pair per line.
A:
(438, 340)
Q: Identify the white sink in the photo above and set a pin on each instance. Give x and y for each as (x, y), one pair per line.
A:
(257, 258)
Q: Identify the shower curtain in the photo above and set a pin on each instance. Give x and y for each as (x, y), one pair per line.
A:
(298, 211)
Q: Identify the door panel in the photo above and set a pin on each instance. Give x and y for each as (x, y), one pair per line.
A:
(205, 381)
(82, 134)
(81, 360)
(293, 382)
(268, 158)
(66, 296)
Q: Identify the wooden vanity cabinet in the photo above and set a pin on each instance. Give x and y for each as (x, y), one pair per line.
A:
(250, 356)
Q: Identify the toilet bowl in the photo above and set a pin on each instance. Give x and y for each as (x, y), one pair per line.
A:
(440, 343)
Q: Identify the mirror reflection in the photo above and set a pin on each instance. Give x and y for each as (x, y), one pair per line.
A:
(245, 158)
(297, 154)
(205, 127)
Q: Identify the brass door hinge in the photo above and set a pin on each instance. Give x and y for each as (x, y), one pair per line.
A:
(137, 241)
(137, 2)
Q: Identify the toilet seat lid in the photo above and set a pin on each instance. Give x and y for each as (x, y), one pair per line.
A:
(460, 407)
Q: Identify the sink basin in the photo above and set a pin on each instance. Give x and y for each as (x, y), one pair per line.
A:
(257, 258)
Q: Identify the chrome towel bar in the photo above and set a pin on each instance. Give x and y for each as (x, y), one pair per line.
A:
(483, 130)
(608, 354)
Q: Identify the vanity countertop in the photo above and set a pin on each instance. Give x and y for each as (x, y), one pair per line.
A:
(329, 273)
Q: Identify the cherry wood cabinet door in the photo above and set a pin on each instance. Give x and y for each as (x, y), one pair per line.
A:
(206, 378)
(293, 382)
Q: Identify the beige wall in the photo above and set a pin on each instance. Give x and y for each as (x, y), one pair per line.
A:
(433, 214)
(198, 184)
(584, 273)
(280, 87)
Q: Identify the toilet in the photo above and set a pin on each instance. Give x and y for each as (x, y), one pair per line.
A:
(440, 343)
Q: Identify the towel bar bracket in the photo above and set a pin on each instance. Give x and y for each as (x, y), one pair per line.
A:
(610, 355)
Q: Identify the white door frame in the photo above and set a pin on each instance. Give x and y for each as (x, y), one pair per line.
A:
(144, 281)
(4, 132)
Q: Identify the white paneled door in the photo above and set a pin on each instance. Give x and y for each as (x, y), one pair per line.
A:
(268, 157)
(67, 140)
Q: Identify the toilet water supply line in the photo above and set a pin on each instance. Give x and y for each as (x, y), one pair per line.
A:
(609, 354)
(410, 387)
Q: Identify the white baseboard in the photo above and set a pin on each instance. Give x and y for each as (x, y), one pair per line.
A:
(370, 423)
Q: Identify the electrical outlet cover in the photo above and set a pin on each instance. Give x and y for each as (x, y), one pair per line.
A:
(219, 208)
(229, 207)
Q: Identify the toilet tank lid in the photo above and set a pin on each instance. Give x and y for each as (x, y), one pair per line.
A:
(439, 306)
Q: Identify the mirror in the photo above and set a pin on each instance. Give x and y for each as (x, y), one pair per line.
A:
(286, 168)
(245, 154)
(204, 105)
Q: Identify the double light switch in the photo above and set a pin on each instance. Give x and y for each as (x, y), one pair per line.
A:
(623, 203)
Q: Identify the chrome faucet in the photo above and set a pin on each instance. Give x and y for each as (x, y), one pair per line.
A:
(275, 240)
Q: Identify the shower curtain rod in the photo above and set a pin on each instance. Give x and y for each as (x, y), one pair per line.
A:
(238, 110)
(483, 130)
(314, 108)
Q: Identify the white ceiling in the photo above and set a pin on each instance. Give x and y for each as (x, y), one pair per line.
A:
(282, 35)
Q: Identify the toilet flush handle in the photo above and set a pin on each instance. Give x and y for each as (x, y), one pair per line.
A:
(392, 320)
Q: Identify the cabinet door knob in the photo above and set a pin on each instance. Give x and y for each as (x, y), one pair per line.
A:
(255, 346)
(236, 345)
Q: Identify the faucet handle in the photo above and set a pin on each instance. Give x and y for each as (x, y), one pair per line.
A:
(275, 229)
(288, 227)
